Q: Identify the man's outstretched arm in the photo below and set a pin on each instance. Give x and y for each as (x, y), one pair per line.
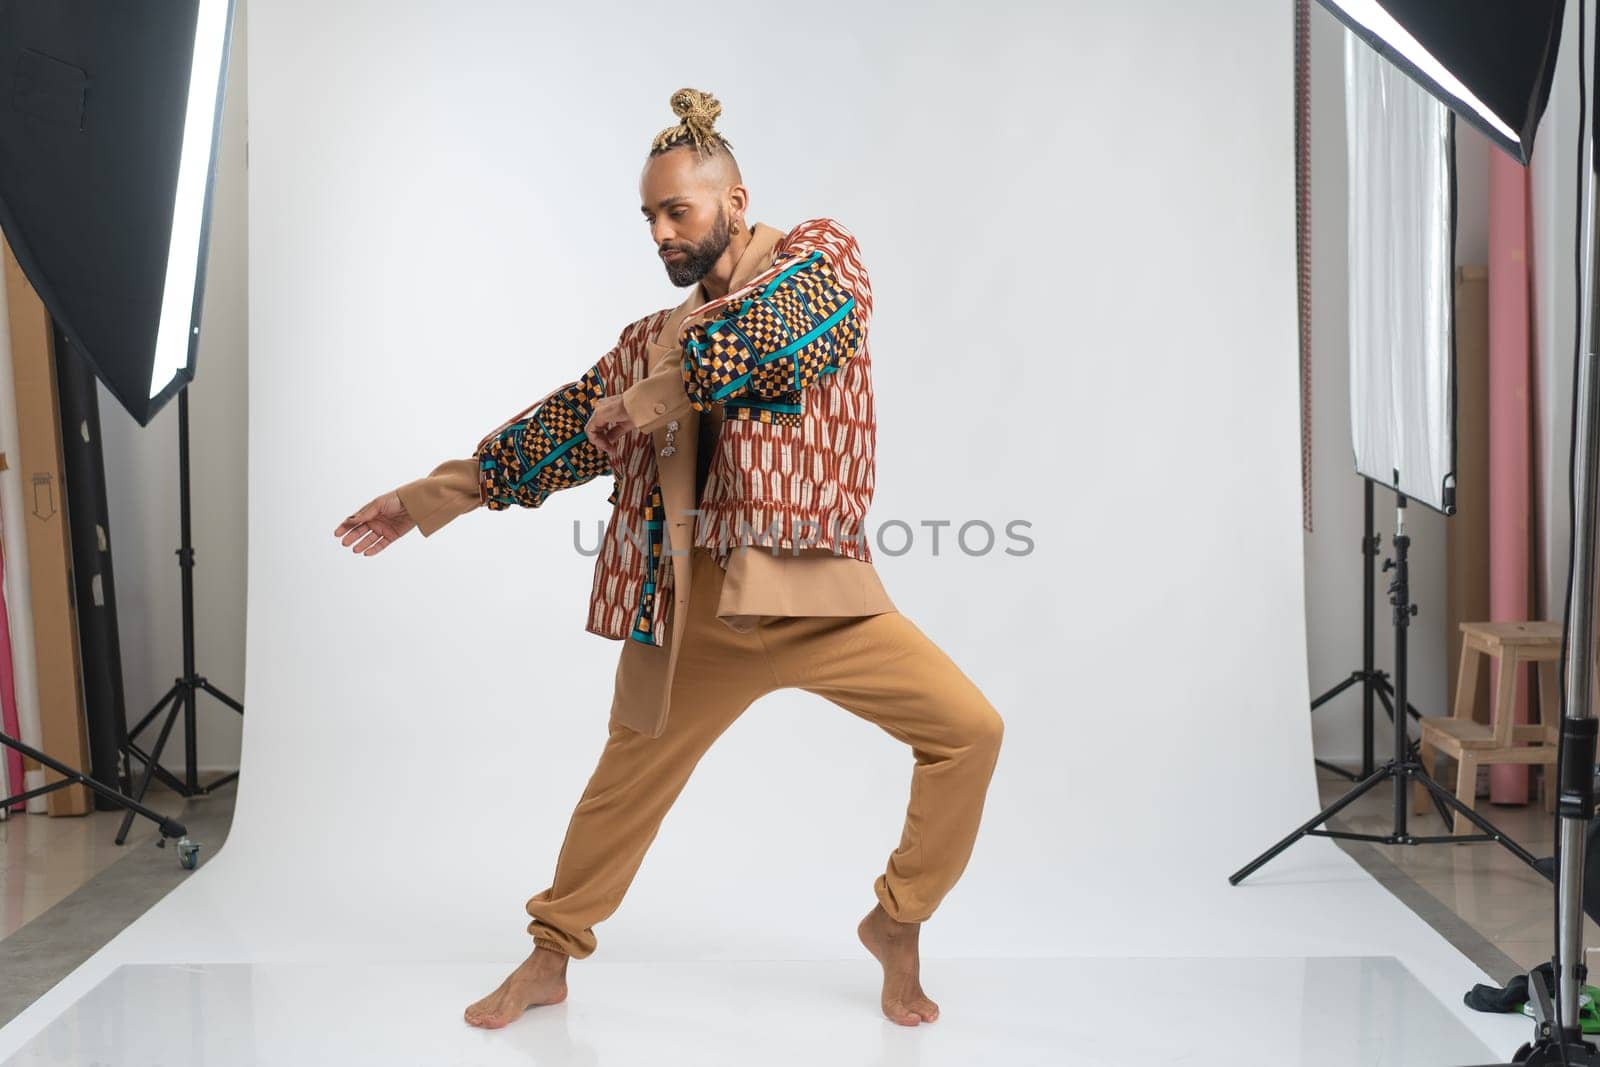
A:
(529, 456)
(544, 448)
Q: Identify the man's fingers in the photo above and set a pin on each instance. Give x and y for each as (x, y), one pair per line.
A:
(604, 438)
(360, 518)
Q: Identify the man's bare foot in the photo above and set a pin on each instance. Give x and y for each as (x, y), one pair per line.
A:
(541, 979)
(895, 946)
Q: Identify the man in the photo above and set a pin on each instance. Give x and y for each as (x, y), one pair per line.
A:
(739, 430)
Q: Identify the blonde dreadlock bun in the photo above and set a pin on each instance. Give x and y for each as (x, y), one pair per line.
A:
(697, 115)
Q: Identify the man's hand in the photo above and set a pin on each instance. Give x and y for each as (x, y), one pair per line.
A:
(606, 425)
(376, 526)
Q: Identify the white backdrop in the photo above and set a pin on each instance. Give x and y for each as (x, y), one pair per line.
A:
(452, 225)
(1079, 226)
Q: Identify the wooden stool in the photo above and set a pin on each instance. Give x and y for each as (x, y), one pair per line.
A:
(1503, 740)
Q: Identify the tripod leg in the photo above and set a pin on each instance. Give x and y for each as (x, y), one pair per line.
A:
(168, 779)
(153, 712)
(1428, 755)
(220, 695)
(219, 783)
(1387, 690)
(168, 827)
(136, 752)
(1322, 816)
(1385, 696)
(149, 770)
(1336, 690)
(1479, 821)
(1430, 760)
(1349, 776)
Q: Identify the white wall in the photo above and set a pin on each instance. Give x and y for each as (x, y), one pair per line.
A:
(1333, 561)
(142, 486)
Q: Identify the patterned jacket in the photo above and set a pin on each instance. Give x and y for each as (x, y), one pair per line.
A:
(786, 354)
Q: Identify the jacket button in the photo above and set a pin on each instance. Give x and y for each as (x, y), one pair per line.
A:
(661, 409)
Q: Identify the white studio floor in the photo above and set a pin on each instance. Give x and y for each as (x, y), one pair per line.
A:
(1011, 1012)
(1327, 969)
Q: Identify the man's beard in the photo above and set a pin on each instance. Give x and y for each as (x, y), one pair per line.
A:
(699, 259)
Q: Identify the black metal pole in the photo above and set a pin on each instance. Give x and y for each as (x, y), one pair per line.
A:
(1403, 611)
(186, 563)
(1369, 552)
(182, 696)
(168, 827)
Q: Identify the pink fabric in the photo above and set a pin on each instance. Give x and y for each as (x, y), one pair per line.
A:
(1510, 431)
(8, 697)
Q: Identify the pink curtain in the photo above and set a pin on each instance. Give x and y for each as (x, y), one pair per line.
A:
(1510, 430)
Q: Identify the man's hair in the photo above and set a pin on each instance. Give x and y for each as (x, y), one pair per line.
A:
(697, 115)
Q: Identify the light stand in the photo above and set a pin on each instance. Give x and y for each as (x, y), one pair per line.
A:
(1404, 768)
(188, 851)
(128, 96)
(183, 688)
(1373, 682)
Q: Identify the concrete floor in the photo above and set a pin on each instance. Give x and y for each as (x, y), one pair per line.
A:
(1493, 907)
(66, 888)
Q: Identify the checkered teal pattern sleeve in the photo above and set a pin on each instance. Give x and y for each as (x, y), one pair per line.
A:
(543, 448)
(787, 329)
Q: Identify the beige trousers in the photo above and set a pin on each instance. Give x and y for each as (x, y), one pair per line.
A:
(880, 667)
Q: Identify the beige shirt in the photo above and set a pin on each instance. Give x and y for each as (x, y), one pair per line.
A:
(776, 581)
(757, 581)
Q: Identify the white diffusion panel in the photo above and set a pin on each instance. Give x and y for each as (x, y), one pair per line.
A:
(1402, 257)
(1079, 225)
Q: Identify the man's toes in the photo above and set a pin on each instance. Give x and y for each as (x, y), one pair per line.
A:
(900, 1013)
(925, 1008)
(481, 1014)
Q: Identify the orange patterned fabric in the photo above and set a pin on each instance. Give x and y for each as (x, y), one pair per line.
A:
(803, 474)
(795, 459)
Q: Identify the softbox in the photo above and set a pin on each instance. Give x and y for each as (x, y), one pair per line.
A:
(107, 150)
(1402, 261)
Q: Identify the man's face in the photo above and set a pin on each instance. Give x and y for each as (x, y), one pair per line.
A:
(687, 220)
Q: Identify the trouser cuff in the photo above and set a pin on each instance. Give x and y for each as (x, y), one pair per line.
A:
(553, 946)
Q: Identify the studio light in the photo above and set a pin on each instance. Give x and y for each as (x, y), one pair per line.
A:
(107, 153)
(1489, 61)
(109, 121)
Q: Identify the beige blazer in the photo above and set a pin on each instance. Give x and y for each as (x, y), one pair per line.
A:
(758, 582)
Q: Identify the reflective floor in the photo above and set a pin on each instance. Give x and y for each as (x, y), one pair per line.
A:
(1320, 1012)
(1481, 889)
(1343, 1009)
